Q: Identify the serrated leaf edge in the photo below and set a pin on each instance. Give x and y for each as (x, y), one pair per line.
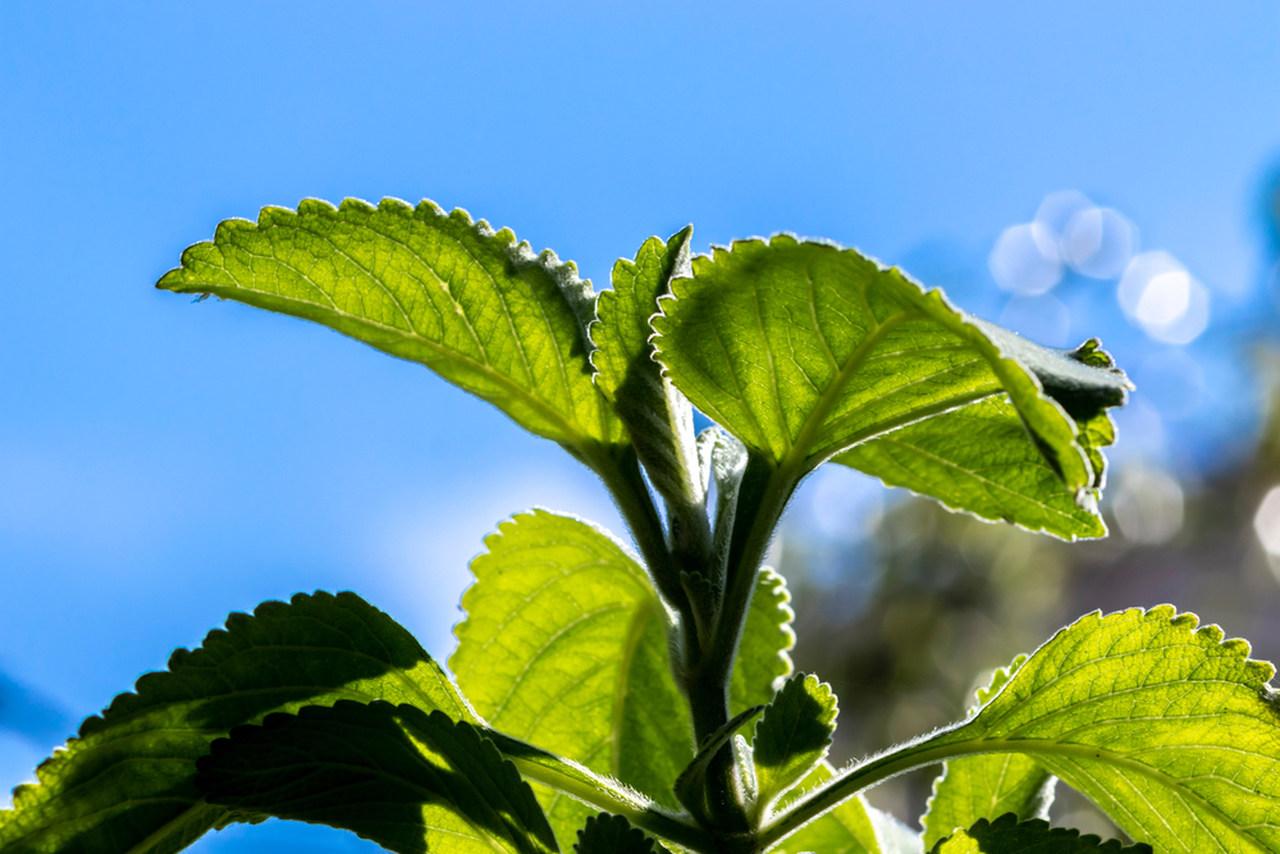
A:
(662, 318)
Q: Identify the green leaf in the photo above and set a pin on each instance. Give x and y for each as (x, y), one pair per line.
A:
(979, 459)
(127, 782)
(412, 782)
(849, 827)
(1173, 732)
(763, 656)
(976, 459)
(613, 834)
(1007, 834)
(472, 304)
(987, 787)
(804, 350)
(658, 418)
(793, 737)
(565, 645)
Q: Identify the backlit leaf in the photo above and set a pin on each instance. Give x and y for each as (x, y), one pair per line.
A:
(987, 787)
(564, 645)
(412, 782)
(804, 350)
(658, 418)
(793, 736)
(1173, 732)
(473, 304)
(127, 782)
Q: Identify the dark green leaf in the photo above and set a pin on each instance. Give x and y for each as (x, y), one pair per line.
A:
(1006, 835)
(127, 782)
(793, 737)
(612, 834)
(412, 782)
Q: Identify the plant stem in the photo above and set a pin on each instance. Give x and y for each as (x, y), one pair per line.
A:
(760, 502)
(876, 770)
(708, 694)
(762, 497)
(622, 476)
(582, 785)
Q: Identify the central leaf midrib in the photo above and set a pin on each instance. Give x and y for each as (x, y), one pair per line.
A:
(796, 453)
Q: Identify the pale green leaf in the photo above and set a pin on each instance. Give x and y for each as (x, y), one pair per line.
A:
(849, 827)
(412, 782)
(1173, 732)
(1006, 835)
(613, 834)
(564, 645)
(472, 304)
(127, 782)
(804, 350)
(793, 736)
(987, 787)
(657, 416)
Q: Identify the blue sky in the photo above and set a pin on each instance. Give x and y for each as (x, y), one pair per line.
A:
(164, 462)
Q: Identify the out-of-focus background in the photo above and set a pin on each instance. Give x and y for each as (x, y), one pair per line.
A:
(1107, 169)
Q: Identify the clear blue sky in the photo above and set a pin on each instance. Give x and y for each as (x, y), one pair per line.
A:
(163, 462)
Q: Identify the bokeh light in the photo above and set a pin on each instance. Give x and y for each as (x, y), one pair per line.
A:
(1266, 522)
(1058, 209)
(1025, 260)
(1159, 294)
(1098, 243)
(1148, 505)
